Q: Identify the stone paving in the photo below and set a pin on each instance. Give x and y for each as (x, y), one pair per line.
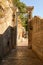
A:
(21, 56)
(22, 42)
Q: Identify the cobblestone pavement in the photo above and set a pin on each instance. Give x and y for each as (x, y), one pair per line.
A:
(21, 56)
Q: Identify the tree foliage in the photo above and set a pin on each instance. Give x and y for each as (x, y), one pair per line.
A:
(21, 6)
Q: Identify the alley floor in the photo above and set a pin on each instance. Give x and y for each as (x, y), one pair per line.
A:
(22, 42)
(21, 56)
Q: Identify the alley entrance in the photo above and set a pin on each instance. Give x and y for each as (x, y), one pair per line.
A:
(22, 29)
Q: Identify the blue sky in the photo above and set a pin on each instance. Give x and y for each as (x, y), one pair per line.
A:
(38, 6)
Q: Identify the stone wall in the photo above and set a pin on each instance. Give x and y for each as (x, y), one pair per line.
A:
(30, 34)
(7, 28)
(1, 49)
(37, 36)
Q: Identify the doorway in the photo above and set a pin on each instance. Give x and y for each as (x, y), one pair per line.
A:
(22, 28)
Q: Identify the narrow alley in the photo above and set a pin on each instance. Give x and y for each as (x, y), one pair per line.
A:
(21, 32)
(21, 56)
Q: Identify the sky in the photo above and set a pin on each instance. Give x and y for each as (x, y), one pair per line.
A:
(38, 6)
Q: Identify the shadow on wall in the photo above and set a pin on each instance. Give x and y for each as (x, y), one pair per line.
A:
(7, 41)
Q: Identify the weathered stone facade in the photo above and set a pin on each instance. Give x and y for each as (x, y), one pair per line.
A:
(7, 28)
(37, 36)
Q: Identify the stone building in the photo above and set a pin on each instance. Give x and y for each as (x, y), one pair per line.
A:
(37, 36)
(19, 28)
(35, 33)
(29, 11)
(7, 27)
